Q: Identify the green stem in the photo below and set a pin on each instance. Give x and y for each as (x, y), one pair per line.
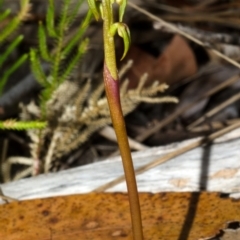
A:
(111, 82)
(109, 46)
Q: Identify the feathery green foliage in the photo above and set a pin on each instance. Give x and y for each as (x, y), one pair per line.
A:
(14, 23)
(12, 124)
(8, 26)
(61, 59)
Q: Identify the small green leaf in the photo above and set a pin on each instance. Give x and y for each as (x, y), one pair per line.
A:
(122, 6)
(76, 38)
(73, 11)
(43, 43)
(124, 33)
(50, 20)
(37, 68)
(72, 63)
(113, 29)
(93, 5)
(5, 14)
(21, 125)
(10, 48)
(63, 24)
(10, 70)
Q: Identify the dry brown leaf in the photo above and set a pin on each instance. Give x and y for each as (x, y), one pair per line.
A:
(103, 216)
(174, 64)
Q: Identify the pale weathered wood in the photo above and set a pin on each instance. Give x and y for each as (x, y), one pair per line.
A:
(213, 168)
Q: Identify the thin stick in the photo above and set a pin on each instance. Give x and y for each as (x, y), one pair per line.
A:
(180, 111)
(169, 156)
(214, 111)
(171, 26)
(216, 125)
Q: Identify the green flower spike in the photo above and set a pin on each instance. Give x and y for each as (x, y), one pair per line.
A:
(111, 82)
(124, 33)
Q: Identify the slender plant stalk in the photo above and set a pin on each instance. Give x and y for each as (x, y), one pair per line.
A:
(112, 92)
(111, 82)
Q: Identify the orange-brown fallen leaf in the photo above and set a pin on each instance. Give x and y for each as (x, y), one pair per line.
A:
(103, 216)
(174, 64)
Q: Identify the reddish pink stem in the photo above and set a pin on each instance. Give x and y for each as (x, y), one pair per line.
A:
(113, 97)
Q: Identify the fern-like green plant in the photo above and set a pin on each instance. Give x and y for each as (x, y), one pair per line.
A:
(61, 59)
(21, 125)
(7, 26)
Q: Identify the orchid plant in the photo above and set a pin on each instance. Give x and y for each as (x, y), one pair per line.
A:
(104, 9)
